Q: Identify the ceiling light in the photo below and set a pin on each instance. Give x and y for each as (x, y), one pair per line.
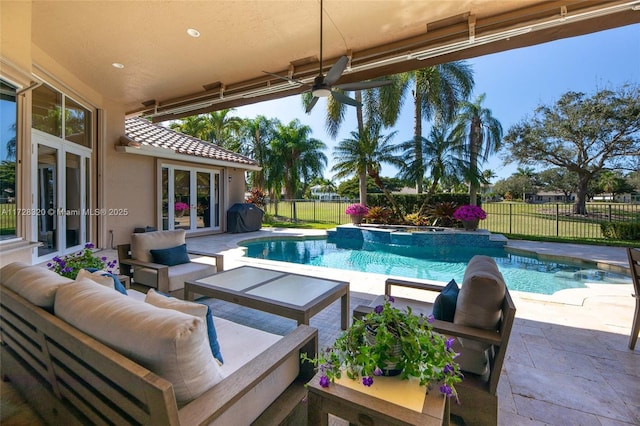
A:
(321, 92)
(193, 32)
(117, 65)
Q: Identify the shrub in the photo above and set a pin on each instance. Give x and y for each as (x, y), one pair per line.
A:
(441, 214)
(416, 220)
(621, 231)
(257, 197)
(379, 215)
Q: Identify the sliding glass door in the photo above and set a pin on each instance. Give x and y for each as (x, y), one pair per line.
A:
(190, 198)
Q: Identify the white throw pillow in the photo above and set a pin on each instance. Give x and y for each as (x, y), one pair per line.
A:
(96, 277)
(196, 309)
(171, 344)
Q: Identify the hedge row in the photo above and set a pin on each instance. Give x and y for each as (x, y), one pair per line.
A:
(621, 231)
(411, 203)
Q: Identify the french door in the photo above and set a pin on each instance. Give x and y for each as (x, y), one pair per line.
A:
(190, 198)
(59, 195)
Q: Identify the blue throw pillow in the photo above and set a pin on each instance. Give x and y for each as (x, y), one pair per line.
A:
(211, 330)
(171, 256)
(444, 307)
(116, 282)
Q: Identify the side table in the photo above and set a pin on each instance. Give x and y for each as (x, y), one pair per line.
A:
(359, 408)
(125, 280)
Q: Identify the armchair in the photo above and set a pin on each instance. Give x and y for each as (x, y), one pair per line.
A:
(482, 347)
(634, 265)
(137, 262)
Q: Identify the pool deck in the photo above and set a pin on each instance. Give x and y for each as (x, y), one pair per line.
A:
(567, 363)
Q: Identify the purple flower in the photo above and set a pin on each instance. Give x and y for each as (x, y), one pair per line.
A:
(89, 246)
(367, 381)
(469, 213)
(391, 299)
(377, 372)
(104, 258)
(324, 381)
(430, 318)
(448, 369)
(49, 265)
(378, 309)
(357, 209)
(449, 343)
(446, 390)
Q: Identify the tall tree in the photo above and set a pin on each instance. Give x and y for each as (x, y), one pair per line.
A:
(256, 136)
(437, 92)
(583, 134)
(484, 136)
(365, 153)
(193, 126)
(300, 157)
(223, 129)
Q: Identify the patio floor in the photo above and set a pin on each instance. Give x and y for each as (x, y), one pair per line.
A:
(567, 363)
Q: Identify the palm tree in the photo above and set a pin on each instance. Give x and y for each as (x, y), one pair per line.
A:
(484, 133)
(256, 136)
(442, 154)
(364, 153)
(437, 92)
(223, 129)
(300, 157)
(193, 126)
(487, 175)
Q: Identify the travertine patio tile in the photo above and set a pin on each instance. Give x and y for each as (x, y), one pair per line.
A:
(517, 353)
(511, 419)
(611, 422)
(553, 414)
(576, 340)
(568, 363)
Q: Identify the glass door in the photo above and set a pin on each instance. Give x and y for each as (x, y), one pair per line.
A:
(47, 200)
(190, 198)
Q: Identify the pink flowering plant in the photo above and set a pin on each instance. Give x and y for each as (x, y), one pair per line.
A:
(180, 206)
(469, 212)
(69, 266)
(391, 341)
(357, 209)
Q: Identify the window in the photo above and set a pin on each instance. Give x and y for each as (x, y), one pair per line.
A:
(8, 154)
(47, 117)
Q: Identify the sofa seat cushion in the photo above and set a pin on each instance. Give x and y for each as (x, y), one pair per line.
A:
(171, 344)
(143, 243)
(480, 299)
(37, 284)
(178, 274)
(242, 344)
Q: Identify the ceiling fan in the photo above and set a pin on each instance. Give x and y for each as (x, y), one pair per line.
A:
(323, 85)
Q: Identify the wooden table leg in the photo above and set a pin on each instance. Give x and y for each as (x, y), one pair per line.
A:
(315, 414)
(344, 304)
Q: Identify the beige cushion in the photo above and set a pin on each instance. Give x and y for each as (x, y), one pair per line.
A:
(10, 269)
(143, 242)
(480, 299)
(234, 338)
(97, 277)
(172, 344)
(196, 309)
(37, 284)
(178, 274)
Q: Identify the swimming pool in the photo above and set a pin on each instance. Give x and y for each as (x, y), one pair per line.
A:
(442, 263)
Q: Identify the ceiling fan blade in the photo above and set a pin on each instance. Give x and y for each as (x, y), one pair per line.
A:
(362, 85)
(336, 70)
(311, 104)
(341, 97)
(290, 80)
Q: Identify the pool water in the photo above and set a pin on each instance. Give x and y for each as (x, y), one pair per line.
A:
(521, 273)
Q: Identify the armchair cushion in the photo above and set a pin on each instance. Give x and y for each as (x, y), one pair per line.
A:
(480, 299)
(444, 307)
(169, 343)
(143, 243)
(199, 310)
(171, 256)
(177, 274)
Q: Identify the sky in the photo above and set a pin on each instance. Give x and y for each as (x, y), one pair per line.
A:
(515, 83)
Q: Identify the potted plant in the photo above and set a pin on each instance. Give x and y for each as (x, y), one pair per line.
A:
(69, 266)
(357, 212)
(180, 208)
(391, 341)
(469, 216)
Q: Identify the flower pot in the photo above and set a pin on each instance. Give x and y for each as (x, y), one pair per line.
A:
(356, 219)
(470, 225)
(389, 369)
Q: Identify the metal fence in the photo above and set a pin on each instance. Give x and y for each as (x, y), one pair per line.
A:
(552, 219)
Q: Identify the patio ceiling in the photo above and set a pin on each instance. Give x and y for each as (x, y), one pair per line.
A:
(167, 74)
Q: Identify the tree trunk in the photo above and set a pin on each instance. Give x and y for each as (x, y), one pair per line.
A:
(475, 141)
(362, 176)
(417, 140)
(580, 207)
(363, 188)
(376, 178)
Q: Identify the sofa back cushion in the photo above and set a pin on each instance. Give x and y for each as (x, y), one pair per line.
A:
(480, 299)
(143, 243)
(35, 283)
(171, 344)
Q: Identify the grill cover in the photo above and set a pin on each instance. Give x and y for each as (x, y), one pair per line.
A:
(244, 218)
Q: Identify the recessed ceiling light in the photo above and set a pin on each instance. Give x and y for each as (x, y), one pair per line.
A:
(117, 65)
(193, 32)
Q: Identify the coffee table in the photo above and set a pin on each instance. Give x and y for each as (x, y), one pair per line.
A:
(294, 296)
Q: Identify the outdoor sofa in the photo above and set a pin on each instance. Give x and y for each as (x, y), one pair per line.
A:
(83, 353)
